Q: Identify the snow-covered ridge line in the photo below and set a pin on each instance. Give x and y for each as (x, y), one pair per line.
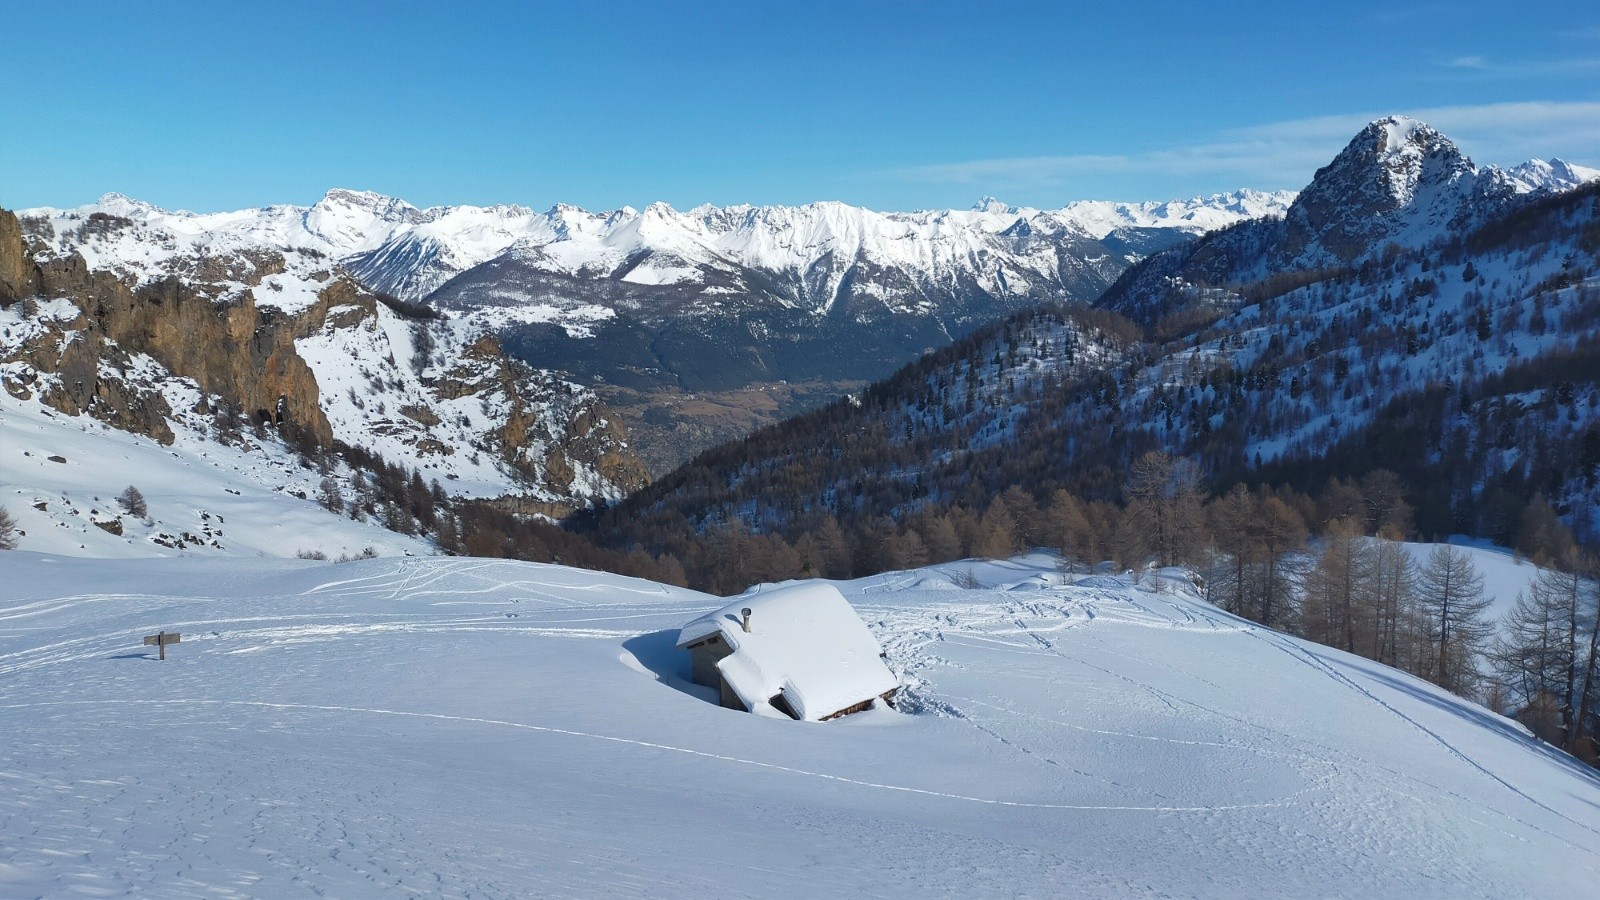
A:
(409, 251)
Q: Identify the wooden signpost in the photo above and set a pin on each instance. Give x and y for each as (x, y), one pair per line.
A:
(161, 640)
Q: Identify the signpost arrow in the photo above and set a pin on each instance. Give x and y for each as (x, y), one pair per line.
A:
(160, 640)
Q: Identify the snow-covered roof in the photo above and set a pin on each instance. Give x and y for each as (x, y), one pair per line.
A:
(805, 642)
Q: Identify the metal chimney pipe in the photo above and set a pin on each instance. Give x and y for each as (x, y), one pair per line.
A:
(746, 613)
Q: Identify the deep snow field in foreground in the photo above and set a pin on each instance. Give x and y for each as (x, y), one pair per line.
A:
(456, 727)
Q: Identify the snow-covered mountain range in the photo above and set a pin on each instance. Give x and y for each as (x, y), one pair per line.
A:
(1412, 312)
(184, 327)
(157, 321)
(646, 306)
(409, 252)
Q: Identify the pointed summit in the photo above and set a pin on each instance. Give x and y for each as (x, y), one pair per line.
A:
(1397, 175)
(991, 205)
(1400, 153)
(1394, 133)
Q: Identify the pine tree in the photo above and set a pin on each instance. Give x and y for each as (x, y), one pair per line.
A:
(1230, 523)
(671, 570)
(1533, 653)
(1450, 592)
(448, 535)
(329, 495)
(906, 551)
(133, 501)
(1024, 514)
(8, 530)
(940, 539)
(1541, 536)
(1067, 527)
(1394, 638)
(832, 550)
(1382, 497)
(1582, 742)
(1338, 609)
(998, 538)
(1275, 531)
(1164, 496)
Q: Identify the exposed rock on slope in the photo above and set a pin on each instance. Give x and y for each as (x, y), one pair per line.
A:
(279, 338)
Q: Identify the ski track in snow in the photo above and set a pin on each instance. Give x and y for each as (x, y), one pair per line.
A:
(1190, 620)
(1310, 658)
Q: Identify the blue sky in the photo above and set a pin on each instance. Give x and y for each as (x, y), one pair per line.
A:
(893, 105)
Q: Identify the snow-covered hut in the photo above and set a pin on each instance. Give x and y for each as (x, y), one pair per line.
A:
(800, 651)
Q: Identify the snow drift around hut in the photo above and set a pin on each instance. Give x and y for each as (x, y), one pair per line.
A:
(805, 644)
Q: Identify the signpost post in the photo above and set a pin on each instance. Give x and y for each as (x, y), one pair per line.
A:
(160, 640)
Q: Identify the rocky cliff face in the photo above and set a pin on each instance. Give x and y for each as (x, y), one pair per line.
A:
(548, 430)
(230, 348)
(17, 273)
(1397, 180)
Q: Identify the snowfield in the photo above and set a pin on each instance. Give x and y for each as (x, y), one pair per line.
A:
(60, 476)
(453, 727)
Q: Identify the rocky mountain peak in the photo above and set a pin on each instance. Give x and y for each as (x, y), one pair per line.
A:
(1395, 177)
(1536, 175)
(1398, 184)
(990, 204)
(370, 201)
(341, 213)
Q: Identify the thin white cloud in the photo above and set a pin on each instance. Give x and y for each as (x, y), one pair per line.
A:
(1508, 133)
(1479, 67)
(1285, 154)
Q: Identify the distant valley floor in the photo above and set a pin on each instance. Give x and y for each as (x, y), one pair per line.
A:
(670, 426)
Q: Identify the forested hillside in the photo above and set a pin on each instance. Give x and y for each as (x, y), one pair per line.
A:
(1469, 369)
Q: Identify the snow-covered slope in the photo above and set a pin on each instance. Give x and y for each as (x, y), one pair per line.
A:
(1506, 575)
(454, 727)
(60, 476)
